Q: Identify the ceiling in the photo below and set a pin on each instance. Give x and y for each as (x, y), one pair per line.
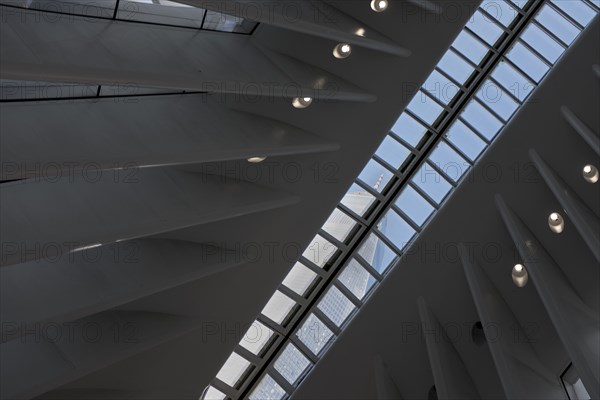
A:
(157, 257)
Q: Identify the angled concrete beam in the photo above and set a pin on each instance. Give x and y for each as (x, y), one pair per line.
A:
(103, 208)
(581, 128)
(577, 325)
(427, 6)
(47, 359)
(316, 18)
(153, 131)
(596, 69)
(522, 375)
(384, 384)
(87, 282)
(451, 378)
(180, 59)
(585, 220)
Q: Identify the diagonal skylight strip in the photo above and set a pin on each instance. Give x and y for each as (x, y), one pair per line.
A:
(388, 207)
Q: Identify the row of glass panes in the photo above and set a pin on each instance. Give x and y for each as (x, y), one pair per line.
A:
(511, 82)
(162, 12)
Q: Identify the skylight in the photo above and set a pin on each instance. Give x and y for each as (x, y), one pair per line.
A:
(492, 67)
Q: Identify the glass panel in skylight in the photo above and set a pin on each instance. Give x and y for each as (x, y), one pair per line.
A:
(449, 161)
(375, 252)
(299, 279)
(161, 11)
(576, 9)
(512, 80)
(213, 394)
(527, 62)
(357, 279)
(104, 8)
(267, 389)
(339, 225)
(256, 337)
(485, 28)
(465, 139)
(470, 47)
(542, 43)
(233, 369)
(500, 10)
(392, 152)
(314, 334)
(278, 307)
(336, 306)
(409, 129)
(358, 199)
(425, 108)
(455, 67)
(319, 251)
(482, 120)
(291, 363)
(216, 21)
(375, 175)
(432, 183)
(557, 24)
(414, 205)
(441, 87)
(396, 229)
(497, 99)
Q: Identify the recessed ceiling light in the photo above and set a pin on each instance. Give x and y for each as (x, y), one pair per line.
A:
(302, 102)
(519, 275)
(590, 173)
(342, 50)
(379, 5)
(256, 160)
(556, 222)
(360, 32)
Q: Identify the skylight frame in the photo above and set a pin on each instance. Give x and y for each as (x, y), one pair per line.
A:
(385, 200)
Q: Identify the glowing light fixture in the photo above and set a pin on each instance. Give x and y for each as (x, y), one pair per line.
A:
(590, 173)
(519, 275)
(256, 160)
(556, 222)
(342, 50)
(302, 102)
(379, 5)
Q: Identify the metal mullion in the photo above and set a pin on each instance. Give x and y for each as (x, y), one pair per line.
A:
(360, 219)
(466, 59)
(388, 166)
(594, 6)
(536, 53)
(301, 300)
(460, 86)
(566, 16)
(225, 388)
(387, 241)
(490, 110)
(274, 326)
(441, 172)
(405, 217)
(525, 74)
(281, 381)
(303, 349)
(346, 292)
(474, 130)
(327, 236)
(506, 90)
(480, 40)
(369, 189)
(402, 141)
(326, 321)
(445, 107)
(377, 275)
(419, 120)
(549, 33)
(314, 267)
(516, 8)
(423, 194)
(116, 10)
(248, 355)
(458, 150)
(495, 21)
